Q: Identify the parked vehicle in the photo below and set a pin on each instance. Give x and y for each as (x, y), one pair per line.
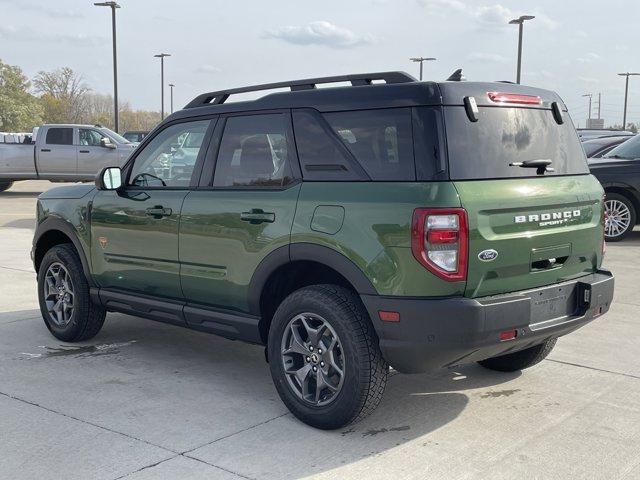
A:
(619, 173)
(598, 147)
(62, 153)
(344, 228)
(590, 134)
(135, 136)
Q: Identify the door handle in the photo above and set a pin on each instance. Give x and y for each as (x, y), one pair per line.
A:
(158, 211)
(45, 149)
(84, 151)
(256, 216)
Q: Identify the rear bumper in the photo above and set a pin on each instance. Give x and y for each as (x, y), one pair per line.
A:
(442, 333)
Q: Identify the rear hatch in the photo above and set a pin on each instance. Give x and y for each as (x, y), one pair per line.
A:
(528, 227)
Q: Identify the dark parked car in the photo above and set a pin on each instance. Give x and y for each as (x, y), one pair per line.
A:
(590, 134)
(619, 173)
(599, 147)
(135, 135)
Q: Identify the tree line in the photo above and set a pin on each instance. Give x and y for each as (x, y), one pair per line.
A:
(60, 96)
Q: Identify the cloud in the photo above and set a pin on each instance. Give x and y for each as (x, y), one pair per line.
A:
(487, 57)
(589, 80)
(43, 9)
(319, 33)
(485, 17)
(589, 58)
(207, 69)
(27, 34)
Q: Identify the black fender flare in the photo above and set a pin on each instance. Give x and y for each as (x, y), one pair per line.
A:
(311, 252)
(58, 224)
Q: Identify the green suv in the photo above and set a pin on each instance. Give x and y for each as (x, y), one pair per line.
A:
(382, 223)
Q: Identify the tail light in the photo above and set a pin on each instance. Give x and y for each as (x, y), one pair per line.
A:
(440, 241)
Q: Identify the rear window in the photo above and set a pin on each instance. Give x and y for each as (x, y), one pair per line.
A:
(484, 149)
(60, 136)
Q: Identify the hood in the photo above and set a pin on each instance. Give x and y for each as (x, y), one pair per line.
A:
(77, 190)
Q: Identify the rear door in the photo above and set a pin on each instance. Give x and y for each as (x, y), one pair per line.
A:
(241, 213)
(527, 226)
(57, 155)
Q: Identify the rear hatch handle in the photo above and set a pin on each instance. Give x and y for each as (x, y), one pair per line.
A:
(541, 164)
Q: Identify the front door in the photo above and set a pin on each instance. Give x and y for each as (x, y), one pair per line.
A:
(229, 226)
(92, 156)
(134, 231)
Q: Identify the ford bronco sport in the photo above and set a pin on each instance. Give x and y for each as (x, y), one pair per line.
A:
(386, 222)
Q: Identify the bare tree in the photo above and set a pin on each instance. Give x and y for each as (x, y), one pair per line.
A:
(64, 92)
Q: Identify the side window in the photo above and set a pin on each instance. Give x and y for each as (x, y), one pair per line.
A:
(59, 136)
(253, 152)
(89, 137)
(168, 160)
(428, 142)
(320, 152)
(381, 141)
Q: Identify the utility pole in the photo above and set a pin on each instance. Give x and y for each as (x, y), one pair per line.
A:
(599, 104)
(161, 57)
(421, 60)
(626, 96)
(520, 22)
(113, 6)
(590, 95)
(171, 85)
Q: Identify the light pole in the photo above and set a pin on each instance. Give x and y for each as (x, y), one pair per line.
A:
(590, 95)
(421, 60)
(520, 22)
(626, 95)
(113, 6)
(161, 57)
(171, 85)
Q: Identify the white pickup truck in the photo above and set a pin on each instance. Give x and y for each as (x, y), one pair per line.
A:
(62, 153)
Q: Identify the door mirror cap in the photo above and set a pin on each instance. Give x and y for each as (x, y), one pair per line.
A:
(105, 142)
(110, 178)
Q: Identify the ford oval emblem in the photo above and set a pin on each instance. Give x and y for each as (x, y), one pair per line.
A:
(487, 255)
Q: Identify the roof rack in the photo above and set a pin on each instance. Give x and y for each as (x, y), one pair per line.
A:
(217, 98)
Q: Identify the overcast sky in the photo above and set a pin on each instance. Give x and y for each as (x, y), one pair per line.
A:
(573, 47)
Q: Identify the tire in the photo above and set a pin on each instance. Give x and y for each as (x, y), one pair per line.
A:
(621, 217)
(513, 362)
(5, 185)
(364, 371)
(84, 319)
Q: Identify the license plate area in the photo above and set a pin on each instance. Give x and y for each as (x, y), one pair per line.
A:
(553, 303)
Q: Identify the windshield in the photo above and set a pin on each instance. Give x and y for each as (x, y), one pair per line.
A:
(591, 147)
(114, 136)
(629, 149)
(503, 136)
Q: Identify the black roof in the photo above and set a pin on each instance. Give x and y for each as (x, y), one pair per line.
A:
(398, 90)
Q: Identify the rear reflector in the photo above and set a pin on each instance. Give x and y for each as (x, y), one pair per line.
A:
(501, 97)
(389, 316)
(508, 335)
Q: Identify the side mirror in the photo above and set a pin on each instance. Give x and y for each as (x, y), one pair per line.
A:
(110, 178)
(106, 143)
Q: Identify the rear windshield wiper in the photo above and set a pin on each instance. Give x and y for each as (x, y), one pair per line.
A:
(541, 164)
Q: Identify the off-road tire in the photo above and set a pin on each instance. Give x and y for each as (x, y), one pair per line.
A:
(87, 318)
(5, 185)
(365, 372)
(512, 362)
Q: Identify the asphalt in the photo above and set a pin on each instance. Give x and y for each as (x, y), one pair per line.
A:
(144, 400)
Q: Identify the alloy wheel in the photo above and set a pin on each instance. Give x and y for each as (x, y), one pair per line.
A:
(618, 218)
(313, 360)
(59, 294)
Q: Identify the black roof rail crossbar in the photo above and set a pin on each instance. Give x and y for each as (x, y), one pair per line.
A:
(217, 98)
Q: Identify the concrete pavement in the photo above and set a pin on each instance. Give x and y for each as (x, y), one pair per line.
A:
(145, 400)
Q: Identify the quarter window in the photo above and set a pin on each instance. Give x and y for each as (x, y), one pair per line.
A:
(169, 159)
(253, 152)
(60, 136)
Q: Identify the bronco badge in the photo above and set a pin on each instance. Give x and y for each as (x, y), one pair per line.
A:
(488, 255)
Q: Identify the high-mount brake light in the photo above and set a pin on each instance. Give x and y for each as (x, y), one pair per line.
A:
(502, 97)
(440, 241)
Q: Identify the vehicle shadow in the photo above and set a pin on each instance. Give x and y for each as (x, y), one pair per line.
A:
(217, 394)
(19, 194)
(29, 223)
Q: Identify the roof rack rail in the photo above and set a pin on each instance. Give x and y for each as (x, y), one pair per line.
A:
(217, 98)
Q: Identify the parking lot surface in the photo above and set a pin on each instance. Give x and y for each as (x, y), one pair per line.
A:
(144, 400)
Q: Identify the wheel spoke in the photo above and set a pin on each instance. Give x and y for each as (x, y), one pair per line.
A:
(297, 344)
